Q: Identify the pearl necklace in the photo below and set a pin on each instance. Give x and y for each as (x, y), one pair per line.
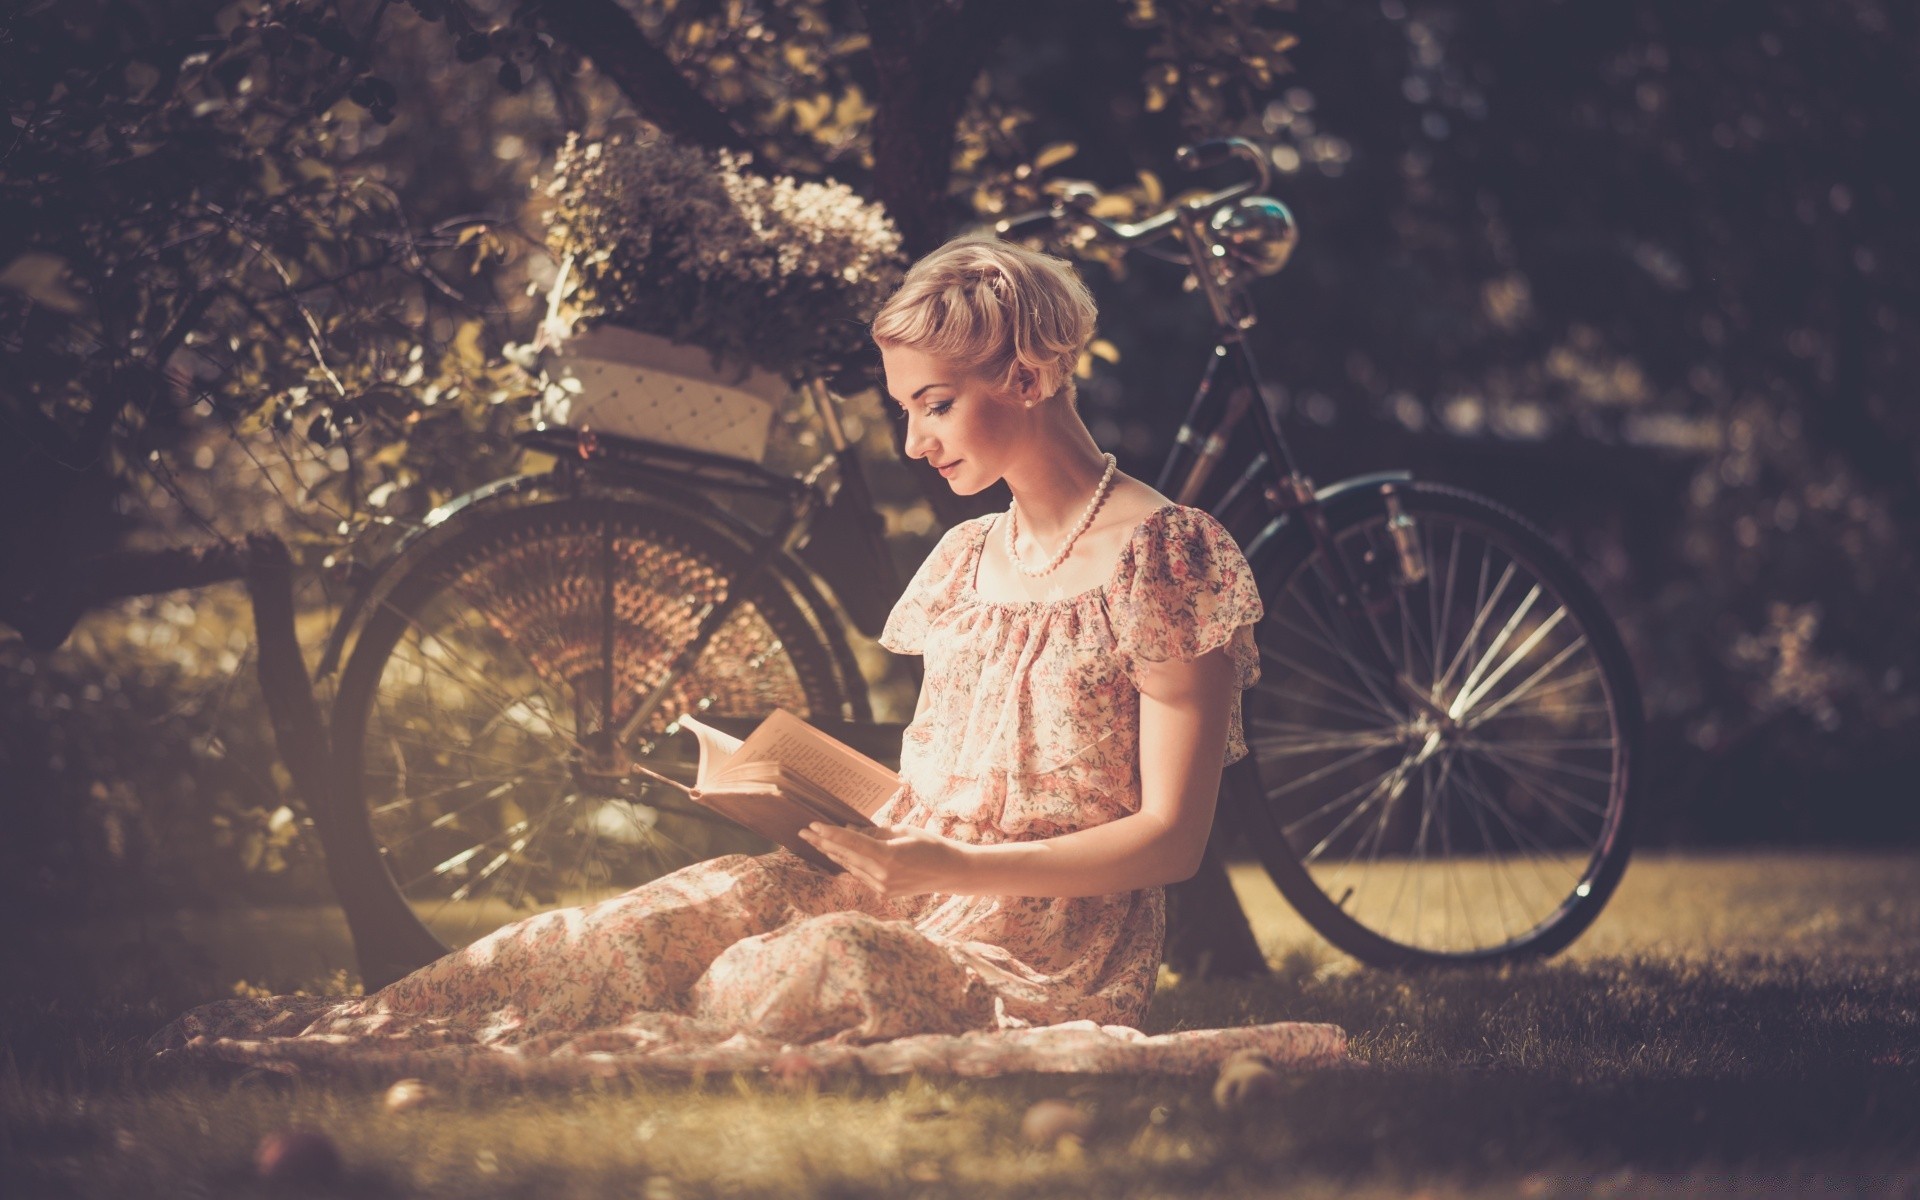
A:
(1086, 519)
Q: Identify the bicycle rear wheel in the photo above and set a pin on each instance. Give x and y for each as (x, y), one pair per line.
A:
(477, 746)
(1475, 802)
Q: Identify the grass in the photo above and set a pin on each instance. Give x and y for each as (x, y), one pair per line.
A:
(1733, 1024)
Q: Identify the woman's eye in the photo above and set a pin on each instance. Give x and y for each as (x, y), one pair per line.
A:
(935, 409)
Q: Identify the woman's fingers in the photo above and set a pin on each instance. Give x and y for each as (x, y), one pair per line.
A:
(853, 851)
(840, 845)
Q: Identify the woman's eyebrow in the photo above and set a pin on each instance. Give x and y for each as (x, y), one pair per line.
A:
(917, 394)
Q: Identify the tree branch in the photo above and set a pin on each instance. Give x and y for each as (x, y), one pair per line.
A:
(923, 69)
(650, 81)
(47, 614)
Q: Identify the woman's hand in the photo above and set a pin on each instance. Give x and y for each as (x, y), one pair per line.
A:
(902, 860)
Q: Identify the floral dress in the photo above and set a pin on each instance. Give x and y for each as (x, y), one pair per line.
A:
(1028, 728)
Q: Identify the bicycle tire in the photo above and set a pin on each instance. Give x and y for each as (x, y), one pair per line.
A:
(1508, 766)
(465, 711)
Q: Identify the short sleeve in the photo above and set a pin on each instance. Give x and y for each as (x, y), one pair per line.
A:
(1184, 588)
(940, 577)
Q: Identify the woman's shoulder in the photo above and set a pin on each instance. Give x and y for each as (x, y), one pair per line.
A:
(1172, 552)
(1147, 525)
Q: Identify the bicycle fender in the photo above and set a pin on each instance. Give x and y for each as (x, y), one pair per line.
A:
(1286, 527)
(693, 506)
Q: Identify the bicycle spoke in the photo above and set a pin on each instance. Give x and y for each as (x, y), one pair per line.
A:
(1367, 677)
(1371, 709)
(1530, 778)
(1332, 648)
(462, 753)
(1506, 631)
(1313, 743)
(503, 703)
(1321, 773)
(447, 818)
(1511, 750)
(1444, 614)
(1527, 843)
(1495, 874)
(1468, 698)
(1532, 681)
(1483, 608)
(1326, 810)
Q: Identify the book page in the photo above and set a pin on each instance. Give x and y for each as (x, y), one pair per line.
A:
(716, 748)
(827, 764)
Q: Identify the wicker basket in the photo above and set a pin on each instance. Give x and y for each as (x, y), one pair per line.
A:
(642, 386)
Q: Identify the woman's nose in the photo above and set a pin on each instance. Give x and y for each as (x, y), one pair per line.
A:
(917, 441)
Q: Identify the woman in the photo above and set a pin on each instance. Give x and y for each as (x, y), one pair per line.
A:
(1085, 653)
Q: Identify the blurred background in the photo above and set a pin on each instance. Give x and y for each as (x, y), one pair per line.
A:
(1645, 272)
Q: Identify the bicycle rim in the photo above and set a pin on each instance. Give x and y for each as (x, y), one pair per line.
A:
(1487, 814)
(471, 724)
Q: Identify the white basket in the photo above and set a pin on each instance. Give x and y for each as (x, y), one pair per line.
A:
(639, 385)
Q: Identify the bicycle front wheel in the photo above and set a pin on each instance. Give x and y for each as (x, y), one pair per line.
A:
(491, 710)
(1447, 766)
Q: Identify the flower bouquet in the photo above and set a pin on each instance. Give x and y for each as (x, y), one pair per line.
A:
(665, 247)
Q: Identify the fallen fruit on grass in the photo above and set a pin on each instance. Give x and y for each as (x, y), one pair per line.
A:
(408, 1094)
(1050, 1120)
(1245, 1078)
(794, 1069)
(297, 1156)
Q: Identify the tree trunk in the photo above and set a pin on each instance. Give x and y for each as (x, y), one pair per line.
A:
(388, 938)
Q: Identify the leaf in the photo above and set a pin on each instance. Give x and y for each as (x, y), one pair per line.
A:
(466, 345)
(37, 275)
(1104, 350)
(1150, 184)
(1058, 152)
(807, 114)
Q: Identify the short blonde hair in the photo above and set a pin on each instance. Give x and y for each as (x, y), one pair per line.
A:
(993, 307)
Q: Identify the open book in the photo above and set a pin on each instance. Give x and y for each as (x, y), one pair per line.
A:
(783, 777)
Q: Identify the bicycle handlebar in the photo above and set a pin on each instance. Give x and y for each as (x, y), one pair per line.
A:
(1140, 233)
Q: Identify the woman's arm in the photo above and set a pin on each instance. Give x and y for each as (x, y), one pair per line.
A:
(1184, 706)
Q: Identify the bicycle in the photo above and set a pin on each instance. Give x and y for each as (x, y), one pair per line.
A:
(1418, 755)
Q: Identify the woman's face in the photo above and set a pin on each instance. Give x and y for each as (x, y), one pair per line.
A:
(967, 428)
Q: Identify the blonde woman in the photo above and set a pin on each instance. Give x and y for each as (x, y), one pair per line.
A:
(1085, 652)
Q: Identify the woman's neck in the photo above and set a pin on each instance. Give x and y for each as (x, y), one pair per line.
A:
(1054, 482)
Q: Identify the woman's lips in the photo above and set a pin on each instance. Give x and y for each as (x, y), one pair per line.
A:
(948, 469)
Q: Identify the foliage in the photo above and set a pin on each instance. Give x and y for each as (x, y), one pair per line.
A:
(694, 245)
(1639, 270)
(135, 778)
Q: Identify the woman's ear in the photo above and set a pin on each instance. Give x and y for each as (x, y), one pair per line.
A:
(1026, 385)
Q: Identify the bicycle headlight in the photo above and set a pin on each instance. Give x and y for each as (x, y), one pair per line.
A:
(1258, 233)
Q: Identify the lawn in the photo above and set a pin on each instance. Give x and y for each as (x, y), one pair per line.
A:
(1734, 1024)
